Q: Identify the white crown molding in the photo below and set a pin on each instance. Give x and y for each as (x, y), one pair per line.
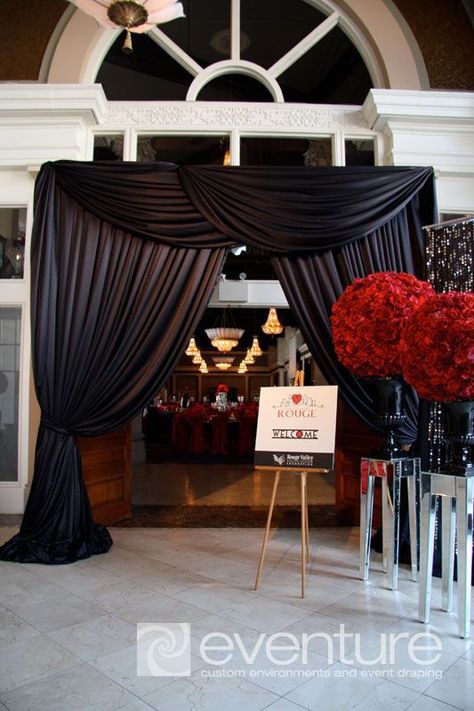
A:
(383, 106)
(216, 116)
(54, 101)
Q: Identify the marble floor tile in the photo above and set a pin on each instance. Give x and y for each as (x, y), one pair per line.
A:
(456, 687)
(284, 705)
(363, 608)
(77, 577)
(114, 597)
(97, 637)
(350, 691)
(167, 579)
(66, 611)
(414, 670)
(330, 638)
(13, 628)
(444, 626)
(77, 689)
(31, 659)
(426, 703)
(206, 577)
(121, 667)
(242, 606)
(20, 591)
(205, 694)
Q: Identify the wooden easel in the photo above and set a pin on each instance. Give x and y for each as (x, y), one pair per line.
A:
(305, 548)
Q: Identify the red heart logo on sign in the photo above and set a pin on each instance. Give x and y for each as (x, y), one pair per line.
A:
(296, 398)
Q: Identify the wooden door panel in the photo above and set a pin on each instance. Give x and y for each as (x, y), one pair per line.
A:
(106, 468)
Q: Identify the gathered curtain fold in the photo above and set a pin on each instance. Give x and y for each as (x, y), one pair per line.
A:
(111, 314)
(124, 259)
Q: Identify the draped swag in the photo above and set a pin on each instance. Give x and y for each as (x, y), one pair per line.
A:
(124, 259)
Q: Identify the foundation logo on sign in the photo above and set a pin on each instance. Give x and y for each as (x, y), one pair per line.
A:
(294, 460)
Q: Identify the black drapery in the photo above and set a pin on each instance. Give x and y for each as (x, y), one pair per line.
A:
(124, 258)
(313, 282)
(111, 315)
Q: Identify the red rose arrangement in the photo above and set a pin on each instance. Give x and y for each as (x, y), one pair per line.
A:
(437, 347)
(367, 320)
(222, 388)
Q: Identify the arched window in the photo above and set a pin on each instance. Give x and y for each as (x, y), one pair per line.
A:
(241, 50)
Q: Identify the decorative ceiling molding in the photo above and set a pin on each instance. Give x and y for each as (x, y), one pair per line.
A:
(210, 116)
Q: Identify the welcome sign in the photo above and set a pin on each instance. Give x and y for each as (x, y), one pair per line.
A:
(296, 427)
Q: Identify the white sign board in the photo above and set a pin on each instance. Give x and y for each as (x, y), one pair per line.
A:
(296, 427)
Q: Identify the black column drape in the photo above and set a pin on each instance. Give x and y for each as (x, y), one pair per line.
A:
(313, 282)
(111, 315)
(124, 258)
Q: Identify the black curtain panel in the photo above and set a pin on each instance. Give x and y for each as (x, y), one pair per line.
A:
(111, 315)
(286, 210)
(313, 282)
(124, 259)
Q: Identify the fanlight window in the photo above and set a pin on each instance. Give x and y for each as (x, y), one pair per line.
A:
(255, 50)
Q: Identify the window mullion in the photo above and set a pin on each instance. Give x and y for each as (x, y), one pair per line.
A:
(235, 30)
(175, 51)
(304, 45)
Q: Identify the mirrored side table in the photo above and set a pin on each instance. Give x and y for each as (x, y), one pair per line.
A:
(391, 472)
(456, 491)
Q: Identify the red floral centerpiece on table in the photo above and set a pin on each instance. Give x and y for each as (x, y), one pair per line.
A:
(437, 357)
(366, 322)
(222, 390)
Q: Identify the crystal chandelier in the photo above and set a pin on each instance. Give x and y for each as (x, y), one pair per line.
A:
(131, 15)
(255, 349)
(197, 360)
(272, 326)
(242, 368)
(203, 367)
(223, 362)
(223, 338)
(192, 348)
(249, 359)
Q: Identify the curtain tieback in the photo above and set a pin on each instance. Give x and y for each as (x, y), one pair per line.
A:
(50, 425)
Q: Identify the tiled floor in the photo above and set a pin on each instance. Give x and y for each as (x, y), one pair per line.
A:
(216, 483)
(68, 633)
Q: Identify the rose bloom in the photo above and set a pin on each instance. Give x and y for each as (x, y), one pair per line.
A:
(437, 347)
(368, 318)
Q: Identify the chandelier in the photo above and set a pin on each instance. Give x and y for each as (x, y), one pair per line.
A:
(223, 338)
(203, 367)
(242, 368)
(131, 15)
(272, 326)
(249, 359)
(192, 348)
(255, 349)
(197, 360)
(223, 362)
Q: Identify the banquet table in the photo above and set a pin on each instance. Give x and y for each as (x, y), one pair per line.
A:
(203, 429)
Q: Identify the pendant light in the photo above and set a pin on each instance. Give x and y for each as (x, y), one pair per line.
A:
(249, 359)
(272, 326)
(223, 362)
(255, 349)
(225, 335)
(192, 348)
(131, 15)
